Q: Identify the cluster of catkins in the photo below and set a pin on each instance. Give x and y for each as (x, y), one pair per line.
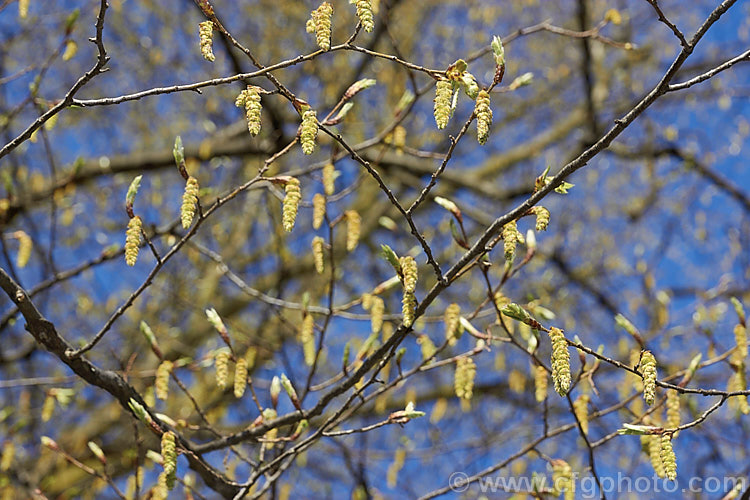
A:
(446, 98)
(661, 454)
(249, 99)
(206, 34)
(320, 24)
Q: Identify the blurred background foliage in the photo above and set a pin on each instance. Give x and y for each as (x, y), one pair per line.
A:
(656, 228)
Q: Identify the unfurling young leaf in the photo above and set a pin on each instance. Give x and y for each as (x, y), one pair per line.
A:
(498, 51)
(133, 190)
(249, 99)
(358, 86)
(178, 151)
(389, 255)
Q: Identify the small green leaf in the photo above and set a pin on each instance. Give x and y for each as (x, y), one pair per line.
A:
(133, 190)
(389, 255)
(178, 151)
(498, 50)
(563, 188)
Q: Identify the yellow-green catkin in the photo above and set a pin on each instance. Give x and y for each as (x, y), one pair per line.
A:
(510, 240)
(321, 25)
(740, 338)
(189, 202)
(353, 228)
(541, 383)
(71, 49)
(452, 320)
(367, 301)
(377, 309)
(673, 409)
(484, 116)
(737, 382)
(240, 377)
(560, 361)
(329, 178)
(25, 245)
(318, 254)
(169, 456)
(9, 453)
(307, 339)
(249, 99)
(668, 459)
(408, 307)
(221, 360)
(159, 491)
(133, 240)
(648, 374)
(206, 34)
(442, 108)
(161, 381)
(562, 479)
(542, 217)
(309, 131)
(463, 380)
(399, 139)
(409, 271)
(365, 14)
(581, 409)
(48, 407)
(427, 346)
(652, 445)
(291, 204)
(319, 210)
(23, 9)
